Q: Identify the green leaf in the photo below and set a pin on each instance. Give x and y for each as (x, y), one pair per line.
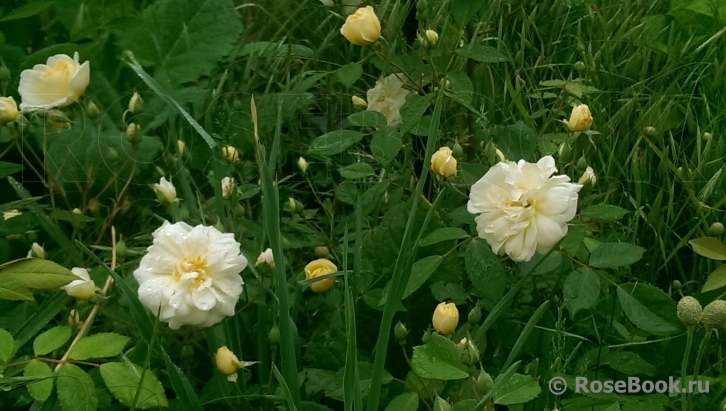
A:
(40, 390)
(517, 390)
(357, 170)
(123, 379)
(486, 272)
(100, 345)
(184, 39)
(275, 49)
(408, 401)
(385, 144)
(420, 272)
(629, 363)
(443, 234)
(413, 110)
(51, 340)
(349, 74)
(581, 289)
(334, 142)
(11, 289)
(649, 308)
(604, 212)
(615, 255)
(9, 168)
(438, 359)
(27, 10)
(38, 273)
(367, 118)
(7, 346)
(76, 391)
(482, 54)
(709, 247)
(464, 10)
(517, 141)
(716, 280)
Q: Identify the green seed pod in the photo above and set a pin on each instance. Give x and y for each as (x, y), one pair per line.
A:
(581, 164)
(716, 228)
(677, 285)
(322, 251)
(689, 311)
(484, 383)
(274, 335)
(565, 152)
(580, 66)
(650, 131)
(400, 332)
(458, 151)
(121, 250)
(714, 315)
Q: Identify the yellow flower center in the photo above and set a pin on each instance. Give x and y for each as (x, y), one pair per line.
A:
(519, 203)
(196, 265)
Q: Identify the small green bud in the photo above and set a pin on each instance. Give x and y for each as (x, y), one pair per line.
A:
(111, 154)
(580, 66)
(716, 228)
(187, 352)
(469, 352)
(285, 243)
(92, 110)
(714, 315)
(121, 250)
(484, 382)
(689, 311)
(400, 332)
(650, 131)
(677, 285)
(441, 405)
(4, 73)
(580, 47)
(707, 136)
(426, 336)
(274, 335)
(565, 152)
(219, 226)
(581, 164)
(457, 150)
(474, 315)
(490, 151)
(136, 104)
(322, 251)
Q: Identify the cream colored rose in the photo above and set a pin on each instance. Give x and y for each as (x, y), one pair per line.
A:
(588, 175)
(443, 162)
(387, 98)
(302, 164)
(165, 190)
(580, 118)
(362, 27)
(446, 318)
(225, 360)
(8, 109)
(319, 268)
(83, 288)
(432, 37)
(266, 257)
(359, 102)
(58, 83)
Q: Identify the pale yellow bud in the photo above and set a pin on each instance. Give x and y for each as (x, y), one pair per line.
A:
(588, 176)
(432, 37)
(362, 27)
(11, 213)
(181, 147)
(443, 162)
(165, 190)
(131, 130)
(228, 187)
(36, 251)
(136, 104)
(77, 211)
(227, 363)
(302, 164)
(359, 102)
(83, 288)
(445, 318)
(319, 268)
(580, 118)
(266, 257)
(716, 228)
(230, 153)
(8, 109)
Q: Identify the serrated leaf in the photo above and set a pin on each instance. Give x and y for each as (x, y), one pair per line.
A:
(7, 346)
(11, 289)
(438, 359)
(582, 287)
(420, 272)
(367, 118)
(122, 380)
(385, 144)
(27, 10)
(408, 401)
(615, 255)
(482, 54)
(709, 247)
(38, 273)
(518, 141)
(413, 110)
(517, 390)
(604, 212)
(41, 389)
(357, 170)
(716, 280)
(486, 272)
(649, 308)
(349, 74)
(443, 234)
(334, 142)
(100, 345)
(464, 10)
(9, 168)
(629, 363)
(76, 391)
(51, 340)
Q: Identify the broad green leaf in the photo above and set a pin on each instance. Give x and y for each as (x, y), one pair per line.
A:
(408, 401)
(372, 196)
(51, 340)
(367, 118)
(349, 74)
(486, 272)
(122, 381)
(9, 168)
(336, 387)
(649, 308)
(517, 390)
(709, 247)
(443, 234)
(438, 359)
(346, 192)
(420, 272)
(615, 255)
(582, 287)
(462, 89)
(334, 142)
(716, 280)
(413, 110)
(100, 345)
(464, 10)
(482, 54)
(357, 170)
(13, 290)
(604, 212)
(40, 390)
(7, 346)
(517, 141)
(464, 405)
(614, 407)
(38, 273)
(440, 404)
(274, 49)
(385, 144)
(76, 391)
(629, 363)
(27, 10)
(184, 39)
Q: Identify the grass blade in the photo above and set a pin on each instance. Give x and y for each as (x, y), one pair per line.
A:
(531, 324)
(285, 389)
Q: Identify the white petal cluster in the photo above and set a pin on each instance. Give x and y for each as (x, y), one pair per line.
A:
(522, 208)
(387, 98)
(84, 288)
(190, 275)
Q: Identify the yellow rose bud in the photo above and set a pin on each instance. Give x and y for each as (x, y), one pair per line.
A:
(362, 27)
(136, 103)
(8, 109)
(131, 130)
(319, 268)
(588, 176)
(181, 146)
(432, 37)
(359, 102)
(165, 190)
(443, 162)
(446, 318)
(227, 363)
(36, 251)
(302, 164)
(580, 118)
(230, 153)
(266, 257)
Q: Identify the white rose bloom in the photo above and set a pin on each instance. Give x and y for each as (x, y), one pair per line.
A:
(523, 208)
(588, 175)
(228, 187)
(58, 83)
(266, 257)
(190, 275)
(84, 288)
(387, 97)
